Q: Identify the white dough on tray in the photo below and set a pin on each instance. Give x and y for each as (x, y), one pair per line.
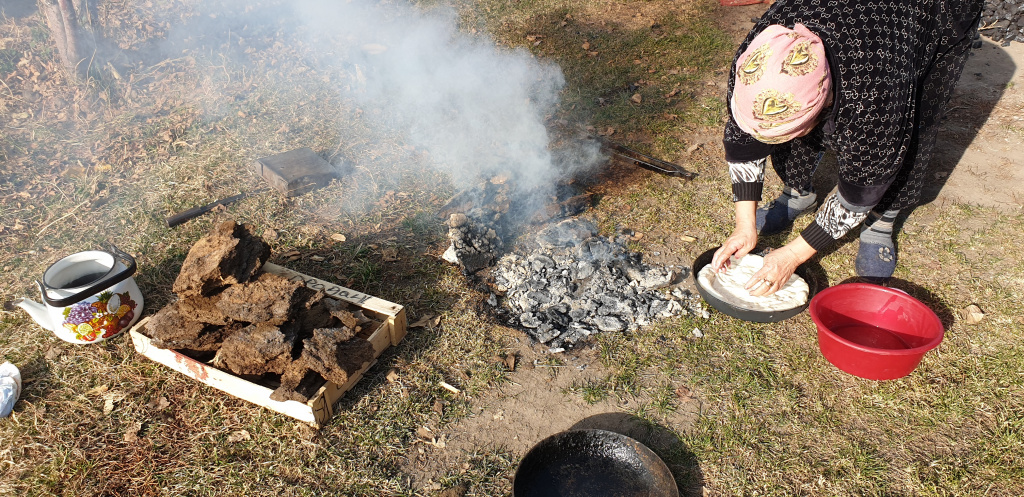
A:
(728, 286)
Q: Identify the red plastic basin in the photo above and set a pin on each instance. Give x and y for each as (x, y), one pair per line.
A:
(872, 331)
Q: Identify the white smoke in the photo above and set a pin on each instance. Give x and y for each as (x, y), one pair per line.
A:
(478, 109)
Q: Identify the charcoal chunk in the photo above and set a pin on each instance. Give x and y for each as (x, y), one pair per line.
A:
(609, 323)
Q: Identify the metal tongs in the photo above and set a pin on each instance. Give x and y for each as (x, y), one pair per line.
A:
(645, 161)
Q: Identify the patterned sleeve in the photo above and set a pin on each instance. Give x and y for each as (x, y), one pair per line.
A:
(834, 220)
(747, 179)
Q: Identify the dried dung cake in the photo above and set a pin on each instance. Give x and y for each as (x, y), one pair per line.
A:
(268, 299)
(177, 330)
(258, 349)
(228, 255)
(335, 353)
(259, 324)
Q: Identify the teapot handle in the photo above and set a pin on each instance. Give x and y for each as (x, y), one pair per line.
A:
(109, 281)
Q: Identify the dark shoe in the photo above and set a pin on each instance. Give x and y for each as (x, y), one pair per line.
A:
(876, 259)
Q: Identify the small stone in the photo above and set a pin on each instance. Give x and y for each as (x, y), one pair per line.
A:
(972, 314)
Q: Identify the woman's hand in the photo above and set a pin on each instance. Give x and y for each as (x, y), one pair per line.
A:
(739, 244)
(779, 265)
(742, 240)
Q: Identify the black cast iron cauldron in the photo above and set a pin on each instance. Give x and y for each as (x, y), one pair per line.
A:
(592, 463)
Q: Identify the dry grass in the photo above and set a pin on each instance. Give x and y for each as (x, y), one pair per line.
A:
(107, 160)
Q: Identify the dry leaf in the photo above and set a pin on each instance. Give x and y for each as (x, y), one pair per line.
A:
(160, 403)
(239, 436)
(390, 254)
(509, 360)
(392, 375)
(317, 258)
(425, 320)
(636, 98)
(111, 398)
(53, 352)
(132, 434)
(684, 393)
(439, 407)
(424, 433)
(586, 45)
(973, 314)
(338, 237)
(98, 390)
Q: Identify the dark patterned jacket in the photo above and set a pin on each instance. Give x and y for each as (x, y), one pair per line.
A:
(894, 64)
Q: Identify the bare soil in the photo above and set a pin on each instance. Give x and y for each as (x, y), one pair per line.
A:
(541, 399)
(978, 155)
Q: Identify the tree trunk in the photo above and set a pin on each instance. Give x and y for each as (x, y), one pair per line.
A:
(74, 39)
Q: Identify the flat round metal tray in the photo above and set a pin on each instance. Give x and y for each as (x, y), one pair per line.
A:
(748, 314)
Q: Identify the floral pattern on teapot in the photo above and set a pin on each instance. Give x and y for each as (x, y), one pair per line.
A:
(106, 317)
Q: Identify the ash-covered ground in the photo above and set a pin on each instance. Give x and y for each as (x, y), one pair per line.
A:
(576, 283)
(567, 282)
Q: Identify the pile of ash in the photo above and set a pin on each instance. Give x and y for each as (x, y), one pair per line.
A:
(1003, 21)
(259, 325)
(576, 283)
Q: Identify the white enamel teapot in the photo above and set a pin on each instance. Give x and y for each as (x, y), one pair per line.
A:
(88, 297)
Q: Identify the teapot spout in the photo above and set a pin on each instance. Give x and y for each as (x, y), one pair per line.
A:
(36, 310)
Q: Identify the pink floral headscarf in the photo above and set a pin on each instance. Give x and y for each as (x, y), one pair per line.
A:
(782, 84)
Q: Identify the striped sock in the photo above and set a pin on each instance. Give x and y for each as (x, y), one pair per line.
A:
(878, 227)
